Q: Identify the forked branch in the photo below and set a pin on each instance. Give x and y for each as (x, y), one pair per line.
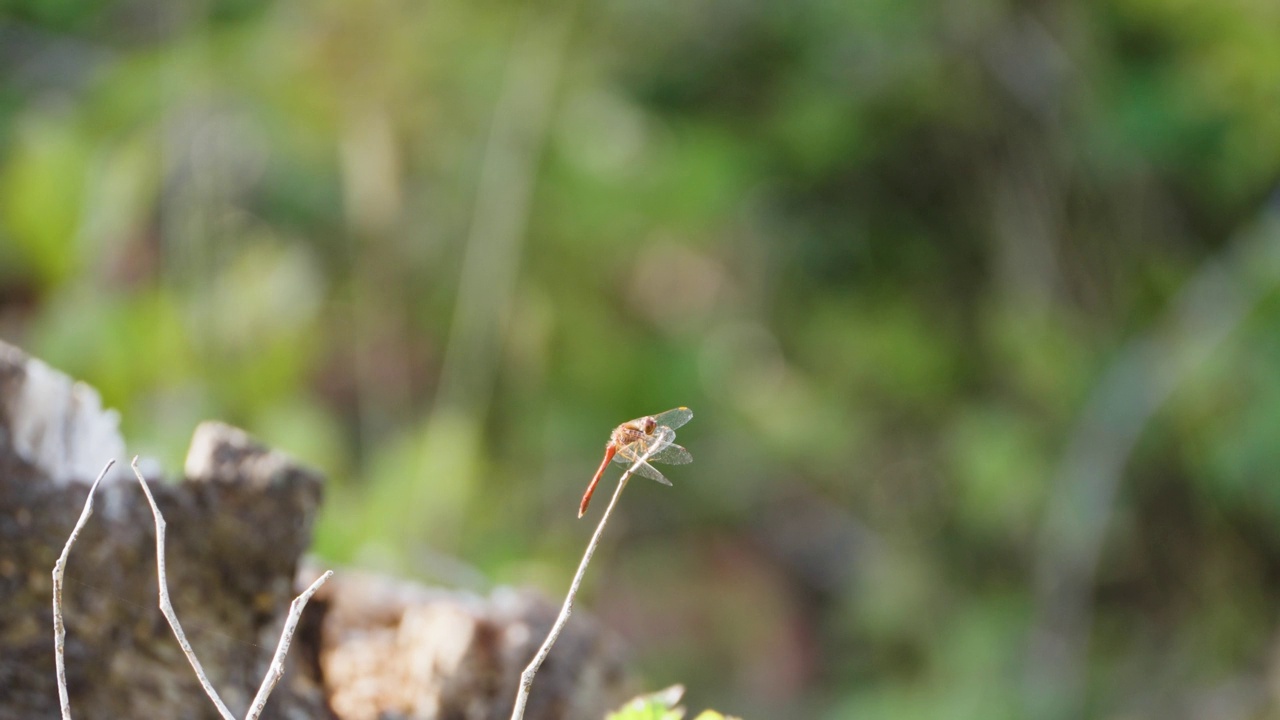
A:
(274, 672)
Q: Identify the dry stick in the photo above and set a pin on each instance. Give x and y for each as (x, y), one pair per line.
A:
(166, 607)
(526, 678)
(276, 671)
(59, 569)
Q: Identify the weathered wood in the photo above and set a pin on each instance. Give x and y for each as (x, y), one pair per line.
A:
(399, 650)
(237, 528)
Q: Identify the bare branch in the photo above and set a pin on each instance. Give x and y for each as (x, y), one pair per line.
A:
(59, 569)
(526, 678)
(166, 606)
(276, 671)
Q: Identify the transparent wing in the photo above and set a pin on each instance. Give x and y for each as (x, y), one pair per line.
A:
(651, 472)
(674, 418)
(653, 445)
(630, 453)
(672, 455)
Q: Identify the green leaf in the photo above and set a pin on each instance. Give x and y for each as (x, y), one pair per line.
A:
(660, 705)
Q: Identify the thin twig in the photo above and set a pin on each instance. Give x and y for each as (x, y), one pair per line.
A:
(59, 569)
(526, 678)
(166, 607)
(276, 671)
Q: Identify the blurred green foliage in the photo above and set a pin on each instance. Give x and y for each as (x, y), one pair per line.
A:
(661, 705)
(657, 706)
(884, 249)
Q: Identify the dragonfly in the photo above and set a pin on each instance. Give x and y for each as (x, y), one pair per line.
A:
(652, 436)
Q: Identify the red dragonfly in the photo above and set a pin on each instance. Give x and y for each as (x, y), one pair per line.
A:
(651, 435)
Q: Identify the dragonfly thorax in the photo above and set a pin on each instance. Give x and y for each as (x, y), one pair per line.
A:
(635, 430)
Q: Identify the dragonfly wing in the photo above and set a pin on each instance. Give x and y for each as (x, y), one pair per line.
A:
(650, 446)
(662, 438)
(674, 418)
(632, 453)
(649, 471)
(672, 455)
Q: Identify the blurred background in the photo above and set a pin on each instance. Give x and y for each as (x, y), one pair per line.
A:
(975, 303)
